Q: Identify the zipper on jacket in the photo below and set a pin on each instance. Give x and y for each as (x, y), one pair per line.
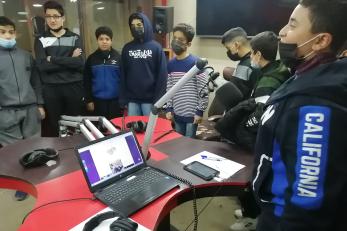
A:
(15, 74)
(104, 73)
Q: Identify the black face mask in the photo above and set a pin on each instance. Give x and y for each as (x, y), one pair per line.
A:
(138, 32)
(178, 47)
(233, 57)
(57, 29)
(287, 53)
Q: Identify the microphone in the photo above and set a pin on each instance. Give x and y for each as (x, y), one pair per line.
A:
(214, 76)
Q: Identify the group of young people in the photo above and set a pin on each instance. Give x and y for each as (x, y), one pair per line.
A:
(290, 112)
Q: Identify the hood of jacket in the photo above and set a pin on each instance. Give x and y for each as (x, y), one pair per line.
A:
(148, 34)
(328, 81)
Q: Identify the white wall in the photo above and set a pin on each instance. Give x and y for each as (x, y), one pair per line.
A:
(210, 48)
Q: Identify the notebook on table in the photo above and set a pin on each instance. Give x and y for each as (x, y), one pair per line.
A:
(118, 175)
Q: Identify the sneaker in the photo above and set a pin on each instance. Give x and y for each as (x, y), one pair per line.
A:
(245, 224)
(20, 196)
(238, 214)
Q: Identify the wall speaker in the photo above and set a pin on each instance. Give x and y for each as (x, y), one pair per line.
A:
(163, 19)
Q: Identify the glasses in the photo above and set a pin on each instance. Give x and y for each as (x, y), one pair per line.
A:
(51, 17)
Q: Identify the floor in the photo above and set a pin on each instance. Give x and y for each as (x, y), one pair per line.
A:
(216, 214)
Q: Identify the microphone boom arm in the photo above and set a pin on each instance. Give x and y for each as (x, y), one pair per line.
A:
(199, 66)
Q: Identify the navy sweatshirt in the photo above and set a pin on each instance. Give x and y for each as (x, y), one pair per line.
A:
(144, 73)
(102, 75)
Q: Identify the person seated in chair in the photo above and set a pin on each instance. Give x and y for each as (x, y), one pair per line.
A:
(240, 123)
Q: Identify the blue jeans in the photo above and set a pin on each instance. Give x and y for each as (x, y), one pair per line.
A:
(139, 109)
(186, 129)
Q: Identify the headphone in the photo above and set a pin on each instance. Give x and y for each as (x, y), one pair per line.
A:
(138, 126)
(38, 157)
(121, 224)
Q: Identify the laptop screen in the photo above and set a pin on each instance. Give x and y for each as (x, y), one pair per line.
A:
(110, 157)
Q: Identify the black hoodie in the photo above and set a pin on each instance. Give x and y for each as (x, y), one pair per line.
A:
(143, 70)
(300, 175)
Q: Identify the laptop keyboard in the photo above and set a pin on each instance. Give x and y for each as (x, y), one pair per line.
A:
(118, 192)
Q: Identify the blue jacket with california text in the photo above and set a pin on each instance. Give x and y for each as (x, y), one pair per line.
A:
(300, 173)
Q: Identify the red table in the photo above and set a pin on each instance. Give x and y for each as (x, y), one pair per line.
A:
(65, 180)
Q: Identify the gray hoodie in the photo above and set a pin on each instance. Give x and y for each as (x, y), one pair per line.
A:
(19, 81)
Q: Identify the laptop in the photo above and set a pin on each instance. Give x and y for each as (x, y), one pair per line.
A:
(117, 174)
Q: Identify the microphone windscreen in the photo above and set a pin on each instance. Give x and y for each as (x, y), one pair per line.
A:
(229, 95)
(214, 76)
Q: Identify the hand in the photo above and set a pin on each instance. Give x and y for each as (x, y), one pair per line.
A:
(77, 52)
(197, 119)
(169, 115)
(48, 59)
(42, 112)
(90, 106)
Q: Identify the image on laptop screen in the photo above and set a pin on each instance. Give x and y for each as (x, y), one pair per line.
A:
(110, 157)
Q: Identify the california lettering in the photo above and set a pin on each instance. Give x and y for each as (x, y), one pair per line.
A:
(311, 151)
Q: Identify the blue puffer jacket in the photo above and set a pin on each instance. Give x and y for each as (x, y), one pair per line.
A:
(102, 75)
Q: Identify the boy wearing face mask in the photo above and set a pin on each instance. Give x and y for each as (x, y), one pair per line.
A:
(143, 69)
(59, 58)
(21, 100)
(102, 77)
(20, 96)
(187, 106)
(239, 87)
(300, 174)
(240, 124)
(239, 50)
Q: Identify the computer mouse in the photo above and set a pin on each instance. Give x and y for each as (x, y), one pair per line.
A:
(123, 224)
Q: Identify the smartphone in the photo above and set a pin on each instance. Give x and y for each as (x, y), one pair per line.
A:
(201, 170)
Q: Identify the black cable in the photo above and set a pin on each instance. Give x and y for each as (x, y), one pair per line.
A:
(64, 149)
(53, 202)
(192, 187)
(162, 135)
(209, 201)
(206, 84)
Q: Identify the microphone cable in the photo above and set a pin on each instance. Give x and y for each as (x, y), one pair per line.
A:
(192, 187)
(54, 202)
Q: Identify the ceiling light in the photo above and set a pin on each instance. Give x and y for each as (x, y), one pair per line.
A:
(37, 5)
(100, 8)
(22, 13)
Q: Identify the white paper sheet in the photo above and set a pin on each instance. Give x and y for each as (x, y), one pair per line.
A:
(226, 167)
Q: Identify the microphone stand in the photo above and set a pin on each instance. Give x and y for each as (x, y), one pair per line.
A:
(199, 66)
(85, 126)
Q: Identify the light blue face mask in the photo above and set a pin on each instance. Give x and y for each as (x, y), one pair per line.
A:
(8, 44)
(255, 65)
